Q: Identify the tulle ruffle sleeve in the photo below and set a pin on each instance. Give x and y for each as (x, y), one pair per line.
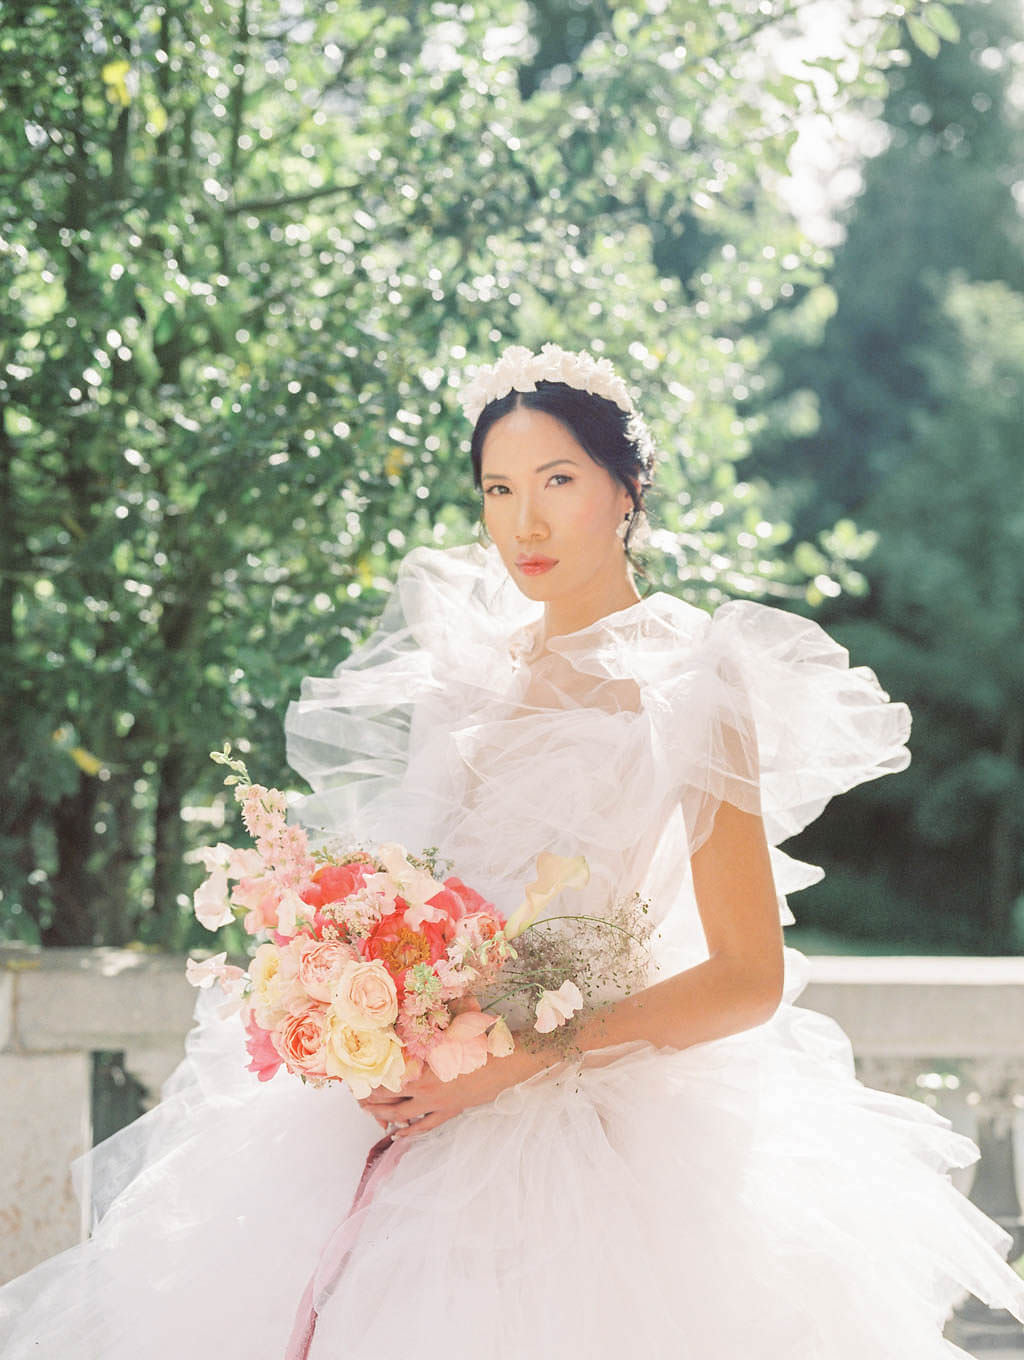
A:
(785, 722)
(370, 739)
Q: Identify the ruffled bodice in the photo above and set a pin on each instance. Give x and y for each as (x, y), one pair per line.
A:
(452, 727)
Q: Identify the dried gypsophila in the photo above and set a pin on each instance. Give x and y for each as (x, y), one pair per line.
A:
(598, 953)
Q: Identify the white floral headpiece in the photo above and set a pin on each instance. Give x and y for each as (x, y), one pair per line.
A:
(520, 370)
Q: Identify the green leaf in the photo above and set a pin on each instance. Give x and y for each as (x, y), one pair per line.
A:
(923, 37)
(939, 19)
(166, 325)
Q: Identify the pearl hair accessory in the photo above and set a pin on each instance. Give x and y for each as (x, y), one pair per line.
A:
(519, 370)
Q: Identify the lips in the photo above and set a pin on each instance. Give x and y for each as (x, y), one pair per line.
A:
(533, 566)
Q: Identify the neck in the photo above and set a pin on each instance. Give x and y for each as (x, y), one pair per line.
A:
(601, 597)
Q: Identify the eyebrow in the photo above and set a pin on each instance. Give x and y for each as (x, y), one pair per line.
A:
(500, 476)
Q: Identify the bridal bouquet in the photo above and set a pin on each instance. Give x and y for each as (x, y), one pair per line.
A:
(371, 962)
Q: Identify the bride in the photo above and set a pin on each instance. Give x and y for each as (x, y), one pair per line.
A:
(703, 1176)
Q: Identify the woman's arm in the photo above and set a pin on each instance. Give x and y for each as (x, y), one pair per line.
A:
(740, 985)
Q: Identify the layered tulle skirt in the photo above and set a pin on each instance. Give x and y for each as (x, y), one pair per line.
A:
(740, 1199)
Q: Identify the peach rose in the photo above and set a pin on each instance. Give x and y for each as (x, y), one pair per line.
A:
(365, 1058)
(365, 995)
(320, 966)
(300, 1042)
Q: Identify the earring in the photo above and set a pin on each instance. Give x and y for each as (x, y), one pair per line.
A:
(623, 528)
(480, 532)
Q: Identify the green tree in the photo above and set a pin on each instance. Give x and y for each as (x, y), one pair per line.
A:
(244, 244)
(891, 407)
(948, 593)
(849, 367)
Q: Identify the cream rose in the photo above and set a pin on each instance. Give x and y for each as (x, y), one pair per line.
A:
(275, 988)
(365, 1058)
(365, 995)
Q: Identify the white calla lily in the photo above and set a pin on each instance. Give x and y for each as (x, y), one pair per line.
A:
(554, 872)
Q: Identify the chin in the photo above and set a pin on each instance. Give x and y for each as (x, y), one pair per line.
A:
(534, 588)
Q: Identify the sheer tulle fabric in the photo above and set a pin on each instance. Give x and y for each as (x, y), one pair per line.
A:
(745, 1197)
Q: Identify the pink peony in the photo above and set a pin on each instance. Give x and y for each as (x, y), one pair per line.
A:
(260, 1045)
(458, 900)
(335, 882)
(399, 947)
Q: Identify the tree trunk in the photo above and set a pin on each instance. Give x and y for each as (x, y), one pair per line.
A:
(169, 845)
(74, 887)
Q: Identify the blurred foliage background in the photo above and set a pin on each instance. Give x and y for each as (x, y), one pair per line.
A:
(247, 249)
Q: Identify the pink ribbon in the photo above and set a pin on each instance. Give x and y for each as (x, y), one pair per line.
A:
(380, 1160)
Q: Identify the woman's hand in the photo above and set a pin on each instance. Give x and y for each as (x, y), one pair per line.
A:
(425, 1101)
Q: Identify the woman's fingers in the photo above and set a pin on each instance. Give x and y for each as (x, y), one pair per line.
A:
(428, 1121)
(381, 1095)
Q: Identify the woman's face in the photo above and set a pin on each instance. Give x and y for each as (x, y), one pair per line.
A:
(546, 499)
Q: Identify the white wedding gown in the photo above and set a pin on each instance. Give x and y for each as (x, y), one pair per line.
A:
(742, 1199)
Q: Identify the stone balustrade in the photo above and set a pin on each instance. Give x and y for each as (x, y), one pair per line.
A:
(948, 1030)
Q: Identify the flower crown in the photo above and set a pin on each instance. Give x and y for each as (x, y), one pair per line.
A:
(520, 370)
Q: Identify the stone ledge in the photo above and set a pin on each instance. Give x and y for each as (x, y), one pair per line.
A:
(922, 1006)
(75, 999)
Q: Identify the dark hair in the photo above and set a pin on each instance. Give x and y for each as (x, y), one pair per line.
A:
(612, 437)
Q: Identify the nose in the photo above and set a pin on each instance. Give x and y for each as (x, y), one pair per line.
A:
(529, 524)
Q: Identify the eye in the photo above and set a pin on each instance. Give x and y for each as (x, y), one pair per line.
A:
(563, 475)
(495, 486)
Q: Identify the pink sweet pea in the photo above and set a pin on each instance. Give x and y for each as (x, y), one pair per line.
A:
(554, 1008)
(265, 1057)
(463, 1046)
(260, 897)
